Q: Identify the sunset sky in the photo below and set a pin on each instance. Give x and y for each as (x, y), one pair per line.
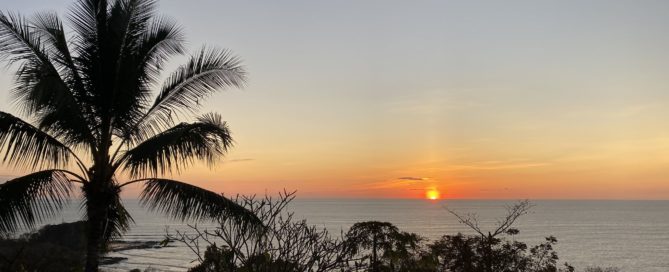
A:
(474, 99)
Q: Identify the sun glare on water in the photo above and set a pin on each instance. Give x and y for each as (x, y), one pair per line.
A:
(432, 194)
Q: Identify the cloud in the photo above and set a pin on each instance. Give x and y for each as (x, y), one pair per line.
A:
(242, 160)
(494, 190)
(401, 182)
(412, 178)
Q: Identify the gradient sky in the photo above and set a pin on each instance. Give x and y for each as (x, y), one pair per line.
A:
(478, 99)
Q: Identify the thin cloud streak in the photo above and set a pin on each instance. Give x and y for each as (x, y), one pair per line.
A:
(241, 160)
(412, 178)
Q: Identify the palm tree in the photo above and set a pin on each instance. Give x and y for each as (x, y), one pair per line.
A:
(92, 120)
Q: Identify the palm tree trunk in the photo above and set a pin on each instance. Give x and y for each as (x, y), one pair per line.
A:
(97, 201)
(94, 236)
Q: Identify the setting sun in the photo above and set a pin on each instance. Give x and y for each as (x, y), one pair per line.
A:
(432, 194)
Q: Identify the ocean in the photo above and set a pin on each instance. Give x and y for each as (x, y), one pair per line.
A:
(630, 235)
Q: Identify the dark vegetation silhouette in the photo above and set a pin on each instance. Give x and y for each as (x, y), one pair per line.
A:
(57, 248)
(91, 118)
(381, 246)
(54, 248)
(373, 236)
(288, 244)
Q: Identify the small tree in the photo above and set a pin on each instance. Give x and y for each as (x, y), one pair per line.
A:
(454, 253)
(406, 254)
(387, 248)
(371, 235)
(489, 251)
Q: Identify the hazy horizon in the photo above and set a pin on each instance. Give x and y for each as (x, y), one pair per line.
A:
(473, 99)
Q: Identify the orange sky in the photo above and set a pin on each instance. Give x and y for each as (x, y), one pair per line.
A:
(563, 99)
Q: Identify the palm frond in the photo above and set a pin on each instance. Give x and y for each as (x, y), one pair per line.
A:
(129, 18)
(26, 145)
(67, 123)
(206, 140)
(17, 40)
(41, 87)
(206, 72)
(19, 44)
(50, 29)
(163, 39)
(188, 202)
(128, 22)
(32, 198)
(87, 18)
(118, 220)
(44, 95)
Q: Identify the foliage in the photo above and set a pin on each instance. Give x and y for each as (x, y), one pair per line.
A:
(383, 247)
(87, 92)
(373, 236)
(285, 244)
(290, 245)
(461, 253)
(53, 248)
(491, 251)
(222, 259)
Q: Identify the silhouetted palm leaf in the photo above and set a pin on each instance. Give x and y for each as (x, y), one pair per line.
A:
(41, 90)
(205, 140)
(208, 71)
(118, 221)
(26, 145)
(18, 42)
(130, 92)
(163, 39)
(184, 201)
(87, 17)
(49, 27)
(117, 218)
(28, 199)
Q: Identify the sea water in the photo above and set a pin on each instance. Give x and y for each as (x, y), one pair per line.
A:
(631, 235)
